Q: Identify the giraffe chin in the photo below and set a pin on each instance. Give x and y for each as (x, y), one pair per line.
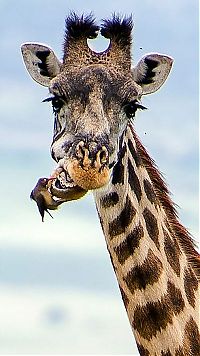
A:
(87, 177)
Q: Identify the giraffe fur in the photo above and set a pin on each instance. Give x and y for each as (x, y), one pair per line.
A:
(95, 97)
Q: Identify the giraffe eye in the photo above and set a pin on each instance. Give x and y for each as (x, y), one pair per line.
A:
(57, 103)
(131, 107)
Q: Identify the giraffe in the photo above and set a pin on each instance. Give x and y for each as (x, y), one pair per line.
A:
(95, 97)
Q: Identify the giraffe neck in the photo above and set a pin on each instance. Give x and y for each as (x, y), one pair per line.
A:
(150, 252)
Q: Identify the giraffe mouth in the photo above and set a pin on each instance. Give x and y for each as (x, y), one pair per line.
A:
(87, 164)
(63, 187)
(74, 176)
(63, 181)
(85, 167)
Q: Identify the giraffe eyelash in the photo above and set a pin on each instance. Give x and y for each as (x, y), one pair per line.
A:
(131, 107)
(57, 103)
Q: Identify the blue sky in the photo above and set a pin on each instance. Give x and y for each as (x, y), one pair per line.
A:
(58, 290)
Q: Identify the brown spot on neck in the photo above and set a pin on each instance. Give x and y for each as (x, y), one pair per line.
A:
(155, 316)
(126, 248)
(110, 200)
(120, 224)
(191, 285)
(149, 191)
(162, 193)
(134, 154)
(152, 226)
(191, 339)
(134, 181)
(139, 277)
(118, 169)
(172, 252)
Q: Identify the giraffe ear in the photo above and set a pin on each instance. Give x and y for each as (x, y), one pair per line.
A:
(41, 62)
(152, 71)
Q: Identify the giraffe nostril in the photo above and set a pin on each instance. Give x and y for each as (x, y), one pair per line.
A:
(91, 154)
(80, 150)
(103, 155)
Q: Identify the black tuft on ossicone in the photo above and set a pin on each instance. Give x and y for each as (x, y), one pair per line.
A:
(80, 27)
(118, 29)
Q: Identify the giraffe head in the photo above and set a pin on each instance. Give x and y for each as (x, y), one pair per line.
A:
(93, 95)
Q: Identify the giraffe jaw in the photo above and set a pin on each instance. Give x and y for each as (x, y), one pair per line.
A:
(61, 186)
(74, 176)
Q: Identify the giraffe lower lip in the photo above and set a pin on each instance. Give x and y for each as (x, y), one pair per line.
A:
(64, 188)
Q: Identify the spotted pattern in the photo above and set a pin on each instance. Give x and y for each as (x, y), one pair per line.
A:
(134, 154)
(134, 181)
(118, 169)
(146, 274)
(172, 252)
(128, 246)
(152, 226)
(149, 191)
(118, 173)
(118, 226)
(176, 302)
(151, 318)
(110, 200)
(155, 316)
(191, 338)
(191, 285)
(168, 226)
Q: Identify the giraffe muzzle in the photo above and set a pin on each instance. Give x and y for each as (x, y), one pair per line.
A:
(88, 167)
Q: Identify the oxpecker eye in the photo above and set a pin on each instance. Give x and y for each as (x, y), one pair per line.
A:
(131, 107)
(56, 101)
